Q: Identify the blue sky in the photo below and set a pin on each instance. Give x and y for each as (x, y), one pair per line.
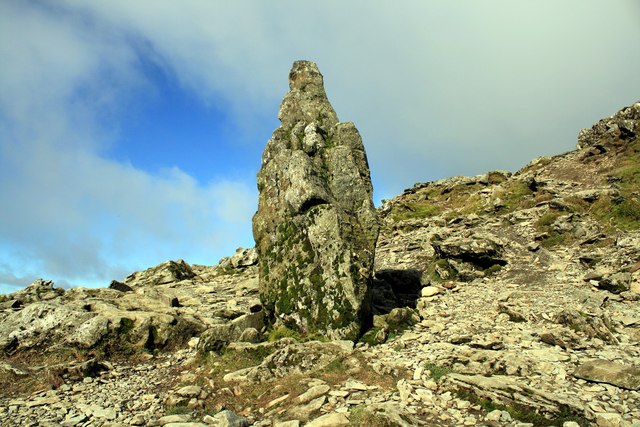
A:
(131, 131)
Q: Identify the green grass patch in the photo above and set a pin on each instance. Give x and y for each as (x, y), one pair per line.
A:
(436, 372)
(623, 212)
(440, 270)
(624, 215)
(554, 239)
(177, 410)
(232, 359)
(523, 413)
(415, 210)
(545, 225)
(280, 332)
(492, 269)
(451, 202)
(547, 219)
(514, 195)
(360, 416)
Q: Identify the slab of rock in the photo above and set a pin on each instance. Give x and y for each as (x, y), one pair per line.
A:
(330, 420)
(227, 418)
(508, 390)
(316, 226)
(312, 393)
(604, 371)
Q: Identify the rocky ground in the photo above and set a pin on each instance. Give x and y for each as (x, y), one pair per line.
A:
(502, 300)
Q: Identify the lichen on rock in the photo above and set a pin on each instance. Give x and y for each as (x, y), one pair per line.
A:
(316, 226)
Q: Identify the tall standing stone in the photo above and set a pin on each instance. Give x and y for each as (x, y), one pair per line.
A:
(316, 226)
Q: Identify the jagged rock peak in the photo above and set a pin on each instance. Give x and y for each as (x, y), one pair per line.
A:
(316, 226)
(623, 126)
(306, 100)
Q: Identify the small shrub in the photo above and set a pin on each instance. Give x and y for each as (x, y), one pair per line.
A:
(514, 195)
(493, 269)
(370, 337)
(547, 219)
(443, 269)
(280, 332)
(415, 210)
(362, 417)
(336, 365)
(177, 410)
(554, 239)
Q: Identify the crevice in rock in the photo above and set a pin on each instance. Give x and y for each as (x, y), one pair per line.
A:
(312, 202)
(482, 262)
(394, 289)
(151, 344)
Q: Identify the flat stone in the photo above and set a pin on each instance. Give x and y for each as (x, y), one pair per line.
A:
(429, 291)
(106, 413)
(189, 391)
(176, 418)
(43, 401)
(312, 393)
(138, 420)
(187, 424)
(604, 371)
(304, 412)
(356, 385)
(329, 420)
(608, 420)
(74, 421)
(227, 418)
(277, 401)
(339, 393)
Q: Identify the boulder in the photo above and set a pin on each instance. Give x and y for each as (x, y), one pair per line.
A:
(243, 258)
(316, 226)
(167, 272)
(227, 418)
(241, 328)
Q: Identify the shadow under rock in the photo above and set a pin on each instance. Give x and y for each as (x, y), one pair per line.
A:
(395, 288)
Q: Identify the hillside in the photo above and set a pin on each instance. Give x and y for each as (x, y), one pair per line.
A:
(505, 299)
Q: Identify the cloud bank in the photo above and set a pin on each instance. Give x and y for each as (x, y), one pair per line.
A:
(436, 89)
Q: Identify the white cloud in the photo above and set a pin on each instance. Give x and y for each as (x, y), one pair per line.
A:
(69, 213)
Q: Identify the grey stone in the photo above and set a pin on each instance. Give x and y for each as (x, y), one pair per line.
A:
(227, 418)
(175, 418)
(217, 337)
(605, 371)
(187, 424)
(304, 412)
(189, 391)
(608, 420)
(316, 226)
(313, 393)
(329, 420)
(623, 125)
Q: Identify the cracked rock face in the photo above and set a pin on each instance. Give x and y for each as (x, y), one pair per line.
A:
(316, 226)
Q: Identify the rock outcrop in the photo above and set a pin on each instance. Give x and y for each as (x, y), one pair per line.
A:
(316, 226)
(159, 308)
